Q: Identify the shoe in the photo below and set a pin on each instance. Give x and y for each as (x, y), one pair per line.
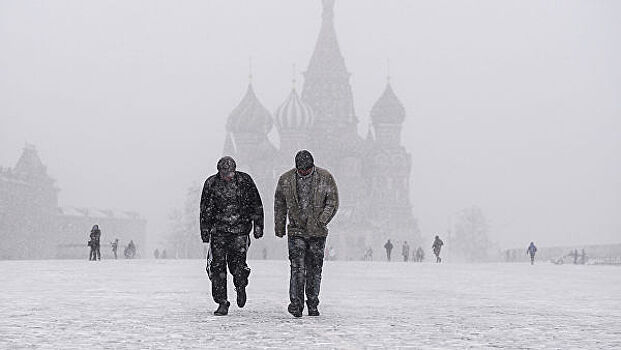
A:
(313, 311)
(241, 296)
(296, 311)
(223, 309)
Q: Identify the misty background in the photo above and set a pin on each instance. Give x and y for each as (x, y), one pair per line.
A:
(512, 106)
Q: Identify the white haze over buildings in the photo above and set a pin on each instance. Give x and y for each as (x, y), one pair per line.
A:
(511, 105)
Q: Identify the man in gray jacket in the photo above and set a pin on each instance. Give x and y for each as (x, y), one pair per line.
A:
(308, 197)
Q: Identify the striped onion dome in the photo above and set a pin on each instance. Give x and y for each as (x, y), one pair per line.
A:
(250, 116)
(388, 109)
(294, 114)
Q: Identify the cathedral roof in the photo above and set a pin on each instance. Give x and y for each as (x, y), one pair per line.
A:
(29, 162)
(388, 109)
(294, 114)
(250, 116)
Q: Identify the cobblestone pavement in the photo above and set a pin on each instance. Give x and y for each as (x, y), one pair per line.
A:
(166, 304)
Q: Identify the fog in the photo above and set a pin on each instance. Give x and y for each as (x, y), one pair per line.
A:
(512, 106)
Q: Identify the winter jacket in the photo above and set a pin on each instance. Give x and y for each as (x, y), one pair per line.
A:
(324, 204)
(531, 250)
(230, 208)
(437, 245)
(95, 237)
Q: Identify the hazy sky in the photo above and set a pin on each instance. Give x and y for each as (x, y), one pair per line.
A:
(511, 105)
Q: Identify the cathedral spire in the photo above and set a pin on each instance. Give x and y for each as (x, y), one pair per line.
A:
(328, 10)
(326, 80)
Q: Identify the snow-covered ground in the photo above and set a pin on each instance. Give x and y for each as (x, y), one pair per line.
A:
(147, 304)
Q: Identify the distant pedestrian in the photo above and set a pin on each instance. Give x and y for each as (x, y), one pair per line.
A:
(437, 247)
(405, 251)
(264, 253)
(531, 250)
(583, 257)
(95, 237)
(115, 247)
(368, 254)
(130, 250)
(420, 254)
(575, 256)
(156, 253)
(388, 246)
(163, 255)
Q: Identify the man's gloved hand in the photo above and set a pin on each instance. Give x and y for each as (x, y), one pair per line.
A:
(258, 232)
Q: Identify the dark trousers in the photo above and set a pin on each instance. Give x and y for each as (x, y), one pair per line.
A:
(228, 250)
(306, 257)
(388, 254)
(95, 254)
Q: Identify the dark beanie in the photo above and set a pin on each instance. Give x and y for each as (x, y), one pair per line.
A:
(227, 164)
(304, 160)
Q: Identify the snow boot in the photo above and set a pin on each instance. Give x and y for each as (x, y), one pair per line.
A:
(223, 309)
(296, 311)
(313, 311)
(241, 296)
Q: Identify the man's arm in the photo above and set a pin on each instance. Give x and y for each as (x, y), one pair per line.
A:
(206, 212)
(280, 209)
(257, 209)
(332, 202)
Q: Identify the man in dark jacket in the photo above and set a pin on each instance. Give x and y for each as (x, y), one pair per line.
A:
(531, 250)
(230, 205)
(437, 246)
(308, 197)
(94, 242)
(388, 246)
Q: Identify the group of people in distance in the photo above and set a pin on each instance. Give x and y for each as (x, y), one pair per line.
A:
(231, 208)
(94, 244)
(419, 254)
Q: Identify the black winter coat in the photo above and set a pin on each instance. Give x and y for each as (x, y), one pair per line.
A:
(230, 208)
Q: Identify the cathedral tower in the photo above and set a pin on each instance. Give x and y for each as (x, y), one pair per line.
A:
(246, 140)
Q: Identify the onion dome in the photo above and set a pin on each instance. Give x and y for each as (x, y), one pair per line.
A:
(388, 109)
(250, 116)
(294, 114)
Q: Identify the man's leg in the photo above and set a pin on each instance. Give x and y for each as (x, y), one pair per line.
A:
(236, 253)
(98, 252)
(314, 267)
(218, 269)
(297, 249)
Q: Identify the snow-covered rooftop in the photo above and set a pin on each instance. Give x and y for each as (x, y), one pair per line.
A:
(99, 213)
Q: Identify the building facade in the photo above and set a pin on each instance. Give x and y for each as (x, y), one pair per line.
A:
(34, 226)
(373, 172)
